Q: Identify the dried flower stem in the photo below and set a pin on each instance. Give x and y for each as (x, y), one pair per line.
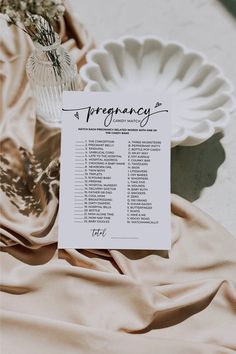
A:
(36, 18)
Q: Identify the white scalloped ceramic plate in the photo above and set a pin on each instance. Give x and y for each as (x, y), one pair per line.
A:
(201, 95)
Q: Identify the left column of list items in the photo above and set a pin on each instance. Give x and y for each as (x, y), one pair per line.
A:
(80, 157)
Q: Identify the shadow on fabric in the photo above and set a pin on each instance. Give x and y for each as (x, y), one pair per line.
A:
(195, 167)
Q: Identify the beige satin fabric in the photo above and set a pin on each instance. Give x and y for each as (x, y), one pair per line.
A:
(116, 302)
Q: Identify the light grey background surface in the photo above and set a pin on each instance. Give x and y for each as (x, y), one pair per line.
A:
(204, 174)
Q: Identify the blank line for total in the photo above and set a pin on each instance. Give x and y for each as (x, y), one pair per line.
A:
(125, 238)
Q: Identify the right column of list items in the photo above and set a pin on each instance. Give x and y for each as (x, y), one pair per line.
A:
(139, 159)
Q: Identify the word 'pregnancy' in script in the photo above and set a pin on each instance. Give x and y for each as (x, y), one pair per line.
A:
(115, 171)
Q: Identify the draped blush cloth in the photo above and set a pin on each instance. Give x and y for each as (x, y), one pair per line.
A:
(97, 301)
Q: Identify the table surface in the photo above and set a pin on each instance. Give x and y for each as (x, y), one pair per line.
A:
(204, 174)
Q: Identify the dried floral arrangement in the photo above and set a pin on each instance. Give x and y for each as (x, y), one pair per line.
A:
(36, 18)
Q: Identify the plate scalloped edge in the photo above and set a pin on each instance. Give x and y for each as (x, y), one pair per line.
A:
(216, 120)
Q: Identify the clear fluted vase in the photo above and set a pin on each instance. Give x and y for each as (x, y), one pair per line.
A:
(50, 71)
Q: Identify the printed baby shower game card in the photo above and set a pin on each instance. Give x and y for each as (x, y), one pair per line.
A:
(115, 171)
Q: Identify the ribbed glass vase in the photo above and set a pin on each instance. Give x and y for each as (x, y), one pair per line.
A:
(51, 71)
